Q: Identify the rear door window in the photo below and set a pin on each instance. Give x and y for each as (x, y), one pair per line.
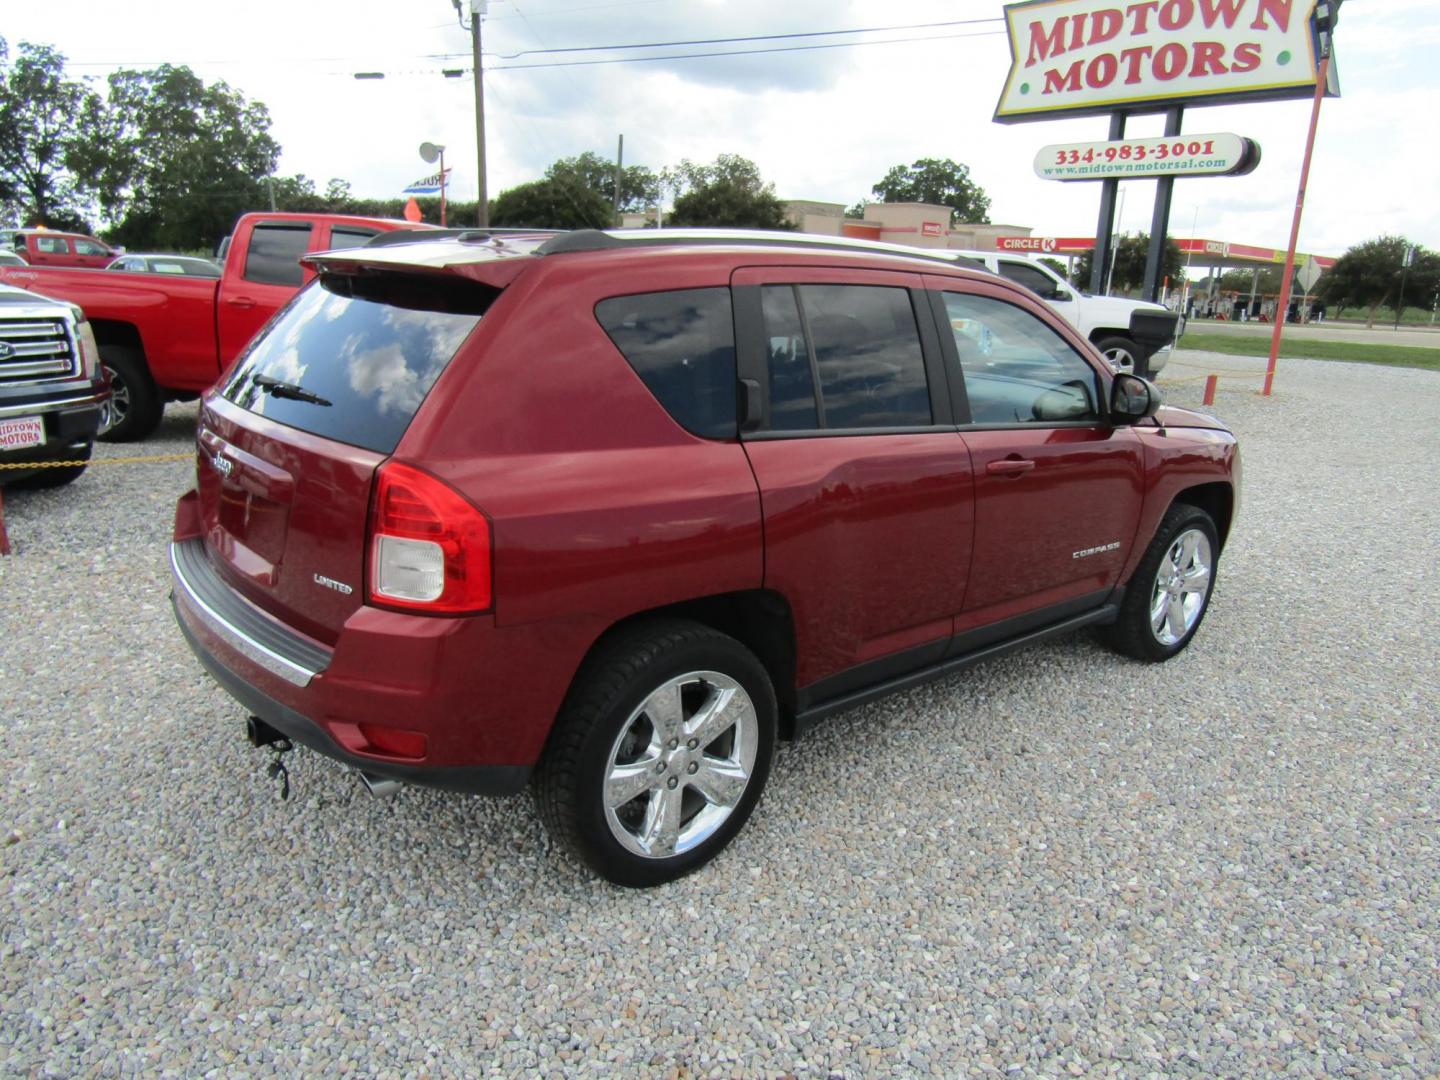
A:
(1037, 281)
(682, 345)
(274, 254)
(89, 247)
(350, 236)
(352, 359)
(859, 344)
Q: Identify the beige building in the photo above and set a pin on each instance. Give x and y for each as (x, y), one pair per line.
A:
(916, 224)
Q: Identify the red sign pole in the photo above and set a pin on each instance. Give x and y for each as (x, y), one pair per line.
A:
(1321, 78)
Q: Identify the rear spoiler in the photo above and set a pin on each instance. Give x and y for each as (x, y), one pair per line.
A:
(499, 269)
(465, 236)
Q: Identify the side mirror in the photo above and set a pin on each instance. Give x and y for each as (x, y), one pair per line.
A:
(1133, 399)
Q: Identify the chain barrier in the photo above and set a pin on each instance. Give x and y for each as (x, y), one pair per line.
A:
(95, 461)
(31, 465)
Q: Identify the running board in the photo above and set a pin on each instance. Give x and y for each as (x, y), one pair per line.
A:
(808, 716)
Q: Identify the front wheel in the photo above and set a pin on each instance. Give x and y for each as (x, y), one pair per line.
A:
(1170, 592)
(1120, 351)
(660, 752)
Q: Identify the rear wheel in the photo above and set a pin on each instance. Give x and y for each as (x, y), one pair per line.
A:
(135, 405)
(660, 753)
(1170, 592)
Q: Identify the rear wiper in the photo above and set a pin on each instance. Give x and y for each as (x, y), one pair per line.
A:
(277, 388)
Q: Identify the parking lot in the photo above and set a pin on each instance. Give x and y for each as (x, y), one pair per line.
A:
(1062, 862)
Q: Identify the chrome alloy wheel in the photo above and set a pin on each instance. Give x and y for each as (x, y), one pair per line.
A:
(1182, 585)
(1121, 359)
(114, 410)
(681, 764)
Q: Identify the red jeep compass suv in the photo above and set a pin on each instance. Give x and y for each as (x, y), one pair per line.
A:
(615, 511)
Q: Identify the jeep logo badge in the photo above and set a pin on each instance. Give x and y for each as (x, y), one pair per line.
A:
(223, 465)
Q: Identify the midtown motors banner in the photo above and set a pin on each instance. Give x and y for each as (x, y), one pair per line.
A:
(1079, 57)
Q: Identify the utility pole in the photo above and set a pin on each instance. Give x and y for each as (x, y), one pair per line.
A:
(477, 11)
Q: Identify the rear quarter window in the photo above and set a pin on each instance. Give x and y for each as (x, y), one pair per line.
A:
(682, 345)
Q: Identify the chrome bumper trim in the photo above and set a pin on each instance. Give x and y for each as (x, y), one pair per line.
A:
(36, 407)
(307, 660)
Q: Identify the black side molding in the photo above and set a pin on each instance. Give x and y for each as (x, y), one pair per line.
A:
(808, 713)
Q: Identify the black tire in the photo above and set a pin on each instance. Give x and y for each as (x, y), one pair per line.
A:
(1134, 632)
(135, 403)
(1120, 351)
(57, 477)
(606, 707)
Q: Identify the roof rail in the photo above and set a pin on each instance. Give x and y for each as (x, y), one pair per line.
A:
(473, 235)
(620, 239)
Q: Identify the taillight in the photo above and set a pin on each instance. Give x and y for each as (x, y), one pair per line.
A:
(429, 547)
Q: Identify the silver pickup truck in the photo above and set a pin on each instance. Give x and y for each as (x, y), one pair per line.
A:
(54, 396)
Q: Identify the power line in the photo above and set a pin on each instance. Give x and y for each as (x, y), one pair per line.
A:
(682, 56)
(273, 61)
(736, 40)
(741, 52)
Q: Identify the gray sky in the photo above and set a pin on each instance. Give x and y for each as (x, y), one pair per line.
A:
(821, 124)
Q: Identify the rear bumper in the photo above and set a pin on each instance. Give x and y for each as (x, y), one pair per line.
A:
(258, 662)
(470, 779)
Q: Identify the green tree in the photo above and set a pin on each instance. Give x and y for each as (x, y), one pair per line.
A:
(40, 113)
(175, 161)
(1242, 281)
(1369, 276)
(1131, 251)
(1054, 264)
(940, 182)
(727, 193)
(639, 186)
(551, 204)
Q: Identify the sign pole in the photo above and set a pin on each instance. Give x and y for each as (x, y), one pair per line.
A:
(1321, 79)
(1160, 219)
(442, 187)
(1105, 227)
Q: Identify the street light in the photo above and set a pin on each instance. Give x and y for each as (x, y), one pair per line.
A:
(429, 152)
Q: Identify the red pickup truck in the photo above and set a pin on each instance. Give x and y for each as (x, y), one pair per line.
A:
(165, 337)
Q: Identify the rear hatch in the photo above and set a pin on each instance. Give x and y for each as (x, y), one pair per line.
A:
(290, 441)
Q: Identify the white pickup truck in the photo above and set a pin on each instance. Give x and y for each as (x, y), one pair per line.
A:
(1104, 320)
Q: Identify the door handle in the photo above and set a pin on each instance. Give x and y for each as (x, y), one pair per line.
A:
(240, 301)
(1009, 466)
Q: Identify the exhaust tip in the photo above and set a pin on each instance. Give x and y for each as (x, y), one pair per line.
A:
(382, 787)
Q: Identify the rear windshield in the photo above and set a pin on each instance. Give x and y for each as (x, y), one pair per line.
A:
(351, 359)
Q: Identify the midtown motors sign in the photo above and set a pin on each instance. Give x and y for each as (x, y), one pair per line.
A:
(1085, 57)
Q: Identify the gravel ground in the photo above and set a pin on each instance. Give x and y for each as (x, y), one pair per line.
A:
(1062, 863)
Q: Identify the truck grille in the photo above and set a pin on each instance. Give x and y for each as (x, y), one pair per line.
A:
(36, 349)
